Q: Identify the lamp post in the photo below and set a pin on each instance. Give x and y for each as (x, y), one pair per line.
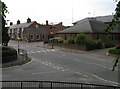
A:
(18, 39)
(51, 33)
(51, 37)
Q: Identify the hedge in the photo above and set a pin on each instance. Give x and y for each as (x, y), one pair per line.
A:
(114, 51)
(8, 54)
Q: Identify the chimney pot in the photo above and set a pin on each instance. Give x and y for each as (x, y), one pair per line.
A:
(11, 23)
(46, 22)
(18, 22)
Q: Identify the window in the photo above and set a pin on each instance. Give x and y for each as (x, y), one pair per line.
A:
(43, 36)
(31, 36)
(38, 37)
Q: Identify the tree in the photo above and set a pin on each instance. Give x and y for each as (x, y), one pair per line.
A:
(5, 36)
(110, 28)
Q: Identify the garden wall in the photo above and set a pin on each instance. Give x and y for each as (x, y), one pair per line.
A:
(70, 46)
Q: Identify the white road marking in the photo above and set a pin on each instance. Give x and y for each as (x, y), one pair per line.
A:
(113, 83)
(28, 52)
(43, 50)
(38, 51)
(32, 52)
(52, 50)
(47, 50)
(78, 72)
(63, 70)
(81, 74)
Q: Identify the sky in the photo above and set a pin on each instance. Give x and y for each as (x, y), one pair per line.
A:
(55, 11)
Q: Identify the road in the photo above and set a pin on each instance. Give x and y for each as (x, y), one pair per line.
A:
(55, 65)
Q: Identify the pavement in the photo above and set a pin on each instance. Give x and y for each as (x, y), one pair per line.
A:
(20, 60)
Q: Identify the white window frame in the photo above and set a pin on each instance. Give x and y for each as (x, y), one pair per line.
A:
(32, 37)
(43, 36)
(38, 36)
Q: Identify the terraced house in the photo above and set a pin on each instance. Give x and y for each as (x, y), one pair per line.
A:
(29, 31)
(94, 28)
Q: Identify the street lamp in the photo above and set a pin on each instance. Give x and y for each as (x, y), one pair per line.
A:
(18, 39)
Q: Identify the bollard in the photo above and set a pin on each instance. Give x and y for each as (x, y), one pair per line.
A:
(52, 47)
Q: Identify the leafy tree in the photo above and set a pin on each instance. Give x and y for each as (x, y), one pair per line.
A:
(3, 11)
(110, 27)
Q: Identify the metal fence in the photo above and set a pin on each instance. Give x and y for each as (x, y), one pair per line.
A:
(51, 85)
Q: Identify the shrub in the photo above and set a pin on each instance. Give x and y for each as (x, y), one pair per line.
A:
(114, 51)
(109, 43)
(80, 38)
(65, 41)
(7, 51)
(60, 40)
(99, 44)
(56, 40)
(71, 41)
(53, 40)
(90, 44)
(8, 54)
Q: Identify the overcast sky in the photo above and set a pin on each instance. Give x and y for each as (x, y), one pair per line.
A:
(55, 11)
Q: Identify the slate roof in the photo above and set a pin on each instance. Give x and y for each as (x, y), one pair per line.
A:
(21, 25)
(88, 25)
(104, 19)
(35, 31)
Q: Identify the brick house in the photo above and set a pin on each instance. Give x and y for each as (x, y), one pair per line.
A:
(52, 29)
(30, 30)
(94, 28)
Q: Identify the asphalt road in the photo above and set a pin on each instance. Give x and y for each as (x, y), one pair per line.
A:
(55, 65)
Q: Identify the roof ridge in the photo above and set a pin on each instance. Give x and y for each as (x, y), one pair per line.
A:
(90, 25)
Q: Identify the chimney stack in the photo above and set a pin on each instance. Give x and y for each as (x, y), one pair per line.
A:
(18, 22)
(46, 22)
(11, 23)
(28, 20)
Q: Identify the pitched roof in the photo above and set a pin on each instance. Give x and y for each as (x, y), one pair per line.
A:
(89, 25)
(104, 19)
(35, 30)
(21, 25)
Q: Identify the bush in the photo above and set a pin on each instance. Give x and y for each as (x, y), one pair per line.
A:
(7, 51)
(71, 41)
(56, 40)
(80, 38)
(99, 44)
(109, 43)
(8, 54)
(60, 40)
(65, 41)
(53, 40)
(90, 44)
(114, 51)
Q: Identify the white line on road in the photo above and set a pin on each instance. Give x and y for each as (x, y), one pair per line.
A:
(52, 50)
(32, 52)
(43, 50)
(112, 83)
(38, 51)
(47, 50)
(81, 74)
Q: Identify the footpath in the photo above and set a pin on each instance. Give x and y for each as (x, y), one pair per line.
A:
(21, 59)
